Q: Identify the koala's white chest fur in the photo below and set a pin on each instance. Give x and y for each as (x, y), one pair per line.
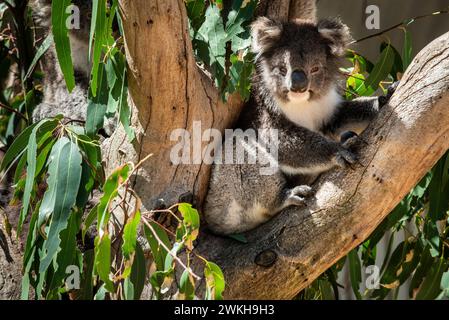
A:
(310, 114)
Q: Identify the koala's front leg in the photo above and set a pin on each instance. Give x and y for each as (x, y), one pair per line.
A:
(302, 151)
(355, 115)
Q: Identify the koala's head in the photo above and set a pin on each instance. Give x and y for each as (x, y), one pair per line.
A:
(299, 61)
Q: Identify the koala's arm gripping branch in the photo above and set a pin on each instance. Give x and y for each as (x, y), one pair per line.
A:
(411, 133)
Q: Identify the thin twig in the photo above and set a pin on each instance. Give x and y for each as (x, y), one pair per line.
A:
(398, 25)
(4, 106)
(169, 251)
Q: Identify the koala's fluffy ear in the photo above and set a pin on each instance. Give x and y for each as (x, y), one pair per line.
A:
(337, 33)
(265, 32)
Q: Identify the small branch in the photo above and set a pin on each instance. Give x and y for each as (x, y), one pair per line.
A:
(169, 251)
(4, 106)
(399, 25)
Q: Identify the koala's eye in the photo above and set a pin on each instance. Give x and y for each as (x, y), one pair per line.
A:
(282, 70)
(315, 70)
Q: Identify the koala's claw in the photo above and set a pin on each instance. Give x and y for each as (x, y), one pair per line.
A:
(302, 190)
(159, 204)
(296, 201)
(297, 196)
(349, 139)
(383, 100)
(344, 158)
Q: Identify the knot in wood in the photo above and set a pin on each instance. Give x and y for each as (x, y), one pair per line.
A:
(266, 258)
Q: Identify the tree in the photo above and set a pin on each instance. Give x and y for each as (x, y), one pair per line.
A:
(285, 255)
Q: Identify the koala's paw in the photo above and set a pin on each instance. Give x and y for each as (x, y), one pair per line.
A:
(159, 204)
(297, 196)
(345, 158)
(349, 139)
(383, 100)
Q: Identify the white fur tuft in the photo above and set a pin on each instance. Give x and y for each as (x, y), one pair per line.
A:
(310, 114)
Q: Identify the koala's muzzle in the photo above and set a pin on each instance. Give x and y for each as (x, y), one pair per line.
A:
(300, 82)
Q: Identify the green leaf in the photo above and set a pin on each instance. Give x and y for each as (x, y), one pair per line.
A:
(195, 12)
(65, 166)
(240, 76)
(117, 178)
(103, 260)
(29, 256)
(425, 262)
(128, 289)
(157, 250)
(86, 285)
(186, 286)
(101, 293)
(444, 285)
(118, 95)
(97, 104)
(215, 283)
(59, 17)
(39, 53)
(407, 49)
(190, 215)
(381, 69)
(188, 231)
(68, 253)
(397, 67)
(169, 259)
(432, 236)
(389, 278)
(430, 288)
(31, 171)
(21, 142)
(237, 18)
(130, 235)
(138, 272)
(212, 32)
(355, 272)
(239, 237)
(98, 29)
(438, 192)
(88, 221)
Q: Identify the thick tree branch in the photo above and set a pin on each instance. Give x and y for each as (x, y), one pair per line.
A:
(285, 255)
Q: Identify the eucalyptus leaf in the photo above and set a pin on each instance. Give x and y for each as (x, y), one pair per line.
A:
(59, 17)
(65, 167)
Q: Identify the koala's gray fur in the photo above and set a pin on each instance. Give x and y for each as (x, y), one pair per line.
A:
(294, 91)
(57, 99)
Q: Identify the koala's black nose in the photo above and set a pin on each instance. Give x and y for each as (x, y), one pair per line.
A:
(299, 81)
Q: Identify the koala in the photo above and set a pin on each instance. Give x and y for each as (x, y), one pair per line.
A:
(294, 91)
